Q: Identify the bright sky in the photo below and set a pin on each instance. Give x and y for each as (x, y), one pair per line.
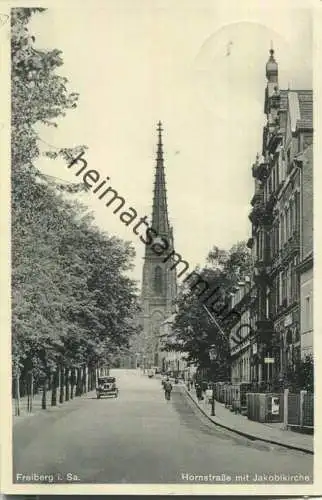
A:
(137, 62)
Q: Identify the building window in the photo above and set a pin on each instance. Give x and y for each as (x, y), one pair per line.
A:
(307, 313)
(292, 218)
(158, 285)
(273, 179)
(287, 224)
(268, 293)
(297, 211)
(277, 291)
(282, 229)
(284, 288)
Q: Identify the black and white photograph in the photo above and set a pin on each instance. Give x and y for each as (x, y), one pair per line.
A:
(161, 247)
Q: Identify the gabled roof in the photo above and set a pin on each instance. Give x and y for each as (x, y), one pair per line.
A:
(304, 108)
(300, 108)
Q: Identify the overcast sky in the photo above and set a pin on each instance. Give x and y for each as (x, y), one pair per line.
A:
(197, 66)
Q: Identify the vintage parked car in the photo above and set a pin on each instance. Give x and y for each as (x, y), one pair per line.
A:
(106, 386)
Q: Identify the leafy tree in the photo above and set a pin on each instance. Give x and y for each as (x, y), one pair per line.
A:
(194, 333)
(72, 303)
(301, 375)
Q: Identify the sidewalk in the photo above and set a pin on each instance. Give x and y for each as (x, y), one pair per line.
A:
(271, 433)
(36, 406)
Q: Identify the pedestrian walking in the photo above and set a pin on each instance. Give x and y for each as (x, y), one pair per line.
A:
(209, 394)
(167, 389)
(198, 392)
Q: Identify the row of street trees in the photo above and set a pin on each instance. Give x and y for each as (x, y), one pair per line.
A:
(73, 306)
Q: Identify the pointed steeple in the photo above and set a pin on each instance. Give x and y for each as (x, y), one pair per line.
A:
(160, 221)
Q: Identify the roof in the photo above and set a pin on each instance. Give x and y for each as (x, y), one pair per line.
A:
(305, 98)
(300, 105)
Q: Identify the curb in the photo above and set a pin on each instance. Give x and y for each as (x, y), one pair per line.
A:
(17, 419)
(247, 435)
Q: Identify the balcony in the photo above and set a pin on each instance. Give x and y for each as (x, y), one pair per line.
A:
(260, 171)
(294, 242)
(271, 202)
(291, 247)
(260, 215)
(257, 198)
(276, 137)
(262, 271)
(277, 261)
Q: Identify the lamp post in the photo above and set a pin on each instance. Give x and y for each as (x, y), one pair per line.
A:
(212, 357)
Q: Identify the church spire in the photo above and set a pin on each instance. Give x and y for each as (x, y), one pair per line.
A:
(160, 221)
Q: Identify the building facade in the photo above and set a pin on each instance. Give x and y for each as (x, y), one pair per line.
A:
(242, 338)
(277, 229)
(305, 268)
(173, 362)
(159, 283)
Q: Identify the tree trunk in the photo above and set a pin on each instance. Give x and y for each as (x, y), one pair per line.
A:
(29, 395)
(84, 388)
(55, 382)
(61, 385)
(79, 390)
(17, 395)
(89, 375)
(44, 395)
(92, 379)
(67, 384)
(72, 383)
(30, 387)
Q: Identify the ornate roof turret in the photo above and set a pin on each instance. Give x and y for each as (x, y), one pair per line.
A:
(271, 67)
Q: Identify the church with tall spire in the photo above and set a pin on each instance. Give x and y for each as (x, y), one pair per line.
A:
(159, 282)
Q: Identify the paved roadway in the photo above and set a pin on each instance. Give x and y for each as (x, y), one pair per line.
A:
(140, 438)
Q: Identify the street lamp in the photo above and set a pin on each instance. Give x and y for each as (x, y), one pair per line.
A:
(212, 357)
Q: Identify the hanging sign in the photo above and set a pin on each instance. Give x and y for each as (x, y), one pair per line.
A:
(269, 360)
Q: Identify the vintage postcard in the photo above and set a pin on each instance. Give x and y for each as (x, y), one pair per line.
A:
(158, 331)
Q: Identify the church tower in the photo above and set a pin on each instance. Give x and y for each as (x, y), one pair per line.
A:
(159, 283)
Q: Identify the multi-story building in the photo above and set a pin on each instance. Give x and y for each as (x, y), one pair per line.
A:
(173, 361)
(159, 283)
(276, 226)
(305, 268)
(241, 335)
